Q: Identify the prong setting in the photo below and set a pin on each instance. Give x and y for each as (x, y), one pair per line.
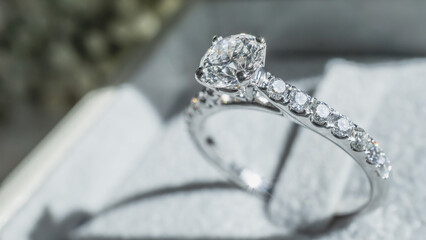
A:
(260, 39)
(231, 61)
(242, 76)
(199, 73)
(216, 38)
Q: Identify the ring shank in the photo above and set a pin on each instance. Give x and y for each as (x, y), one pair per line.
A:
(209, 103)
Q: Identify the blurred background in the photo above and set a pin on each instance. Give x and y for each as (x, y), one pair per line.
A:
(54, 52)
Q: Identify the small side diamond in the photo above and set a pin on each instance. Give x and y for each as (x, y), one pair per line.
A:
(299, 101)
(276, 89)
(263, 79)
(384, 169)
(225, 99)
(321, 112)
(342, 126)
(375, 154)
(359, 139)
(194, 103)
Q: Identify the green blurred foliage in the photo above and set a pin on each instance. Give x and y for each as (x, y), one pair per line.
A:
(54, 51)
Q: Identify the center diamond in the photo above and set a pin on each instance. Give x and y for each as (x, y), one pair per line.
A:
(229, 56)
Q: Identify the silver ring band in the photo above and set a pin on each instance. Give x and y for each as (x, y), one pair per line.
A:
(233, 74)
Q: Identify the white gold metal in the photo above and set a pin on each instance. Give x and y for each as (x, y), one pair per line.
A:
(265, 92)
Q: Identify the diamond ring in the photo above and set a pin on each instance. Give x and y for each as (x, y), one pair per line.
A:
(232, 72)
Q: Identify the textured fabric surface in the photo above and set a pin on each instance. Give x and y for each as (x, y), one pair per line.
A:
(87, 177)
(182, 195)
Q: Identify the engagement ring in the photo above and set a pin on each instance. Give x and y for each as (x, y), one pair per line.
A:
(232, 72)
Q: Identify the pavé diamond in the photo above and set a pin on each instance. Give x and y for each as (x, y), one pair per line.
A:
(342, 127)
(194, 103)
(343, 124)
(375, 154)
(225, 99)
(276, 89)
(300, 98)
(278, 86)
(299, 101)
(384, 169)
(359, 139)
(382, 159)
(229, 56)
(321, 112)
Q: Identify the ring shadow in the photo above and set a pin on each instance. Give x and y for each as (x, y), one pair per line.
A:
(47, 228)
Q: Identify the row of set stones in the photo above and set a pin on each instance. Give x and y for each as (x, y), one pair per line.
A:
(204, 100)
(321, 115)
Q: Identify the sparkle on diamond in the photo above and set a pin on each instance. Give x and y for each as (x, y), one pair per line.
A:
(299, 101)
(384, 169)
(360, 139)
(277, 89)
(230, 55)
(343, 124)
(342, 127)
(300, 98)
(278, 86)
(375, 154)
(322, 110)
